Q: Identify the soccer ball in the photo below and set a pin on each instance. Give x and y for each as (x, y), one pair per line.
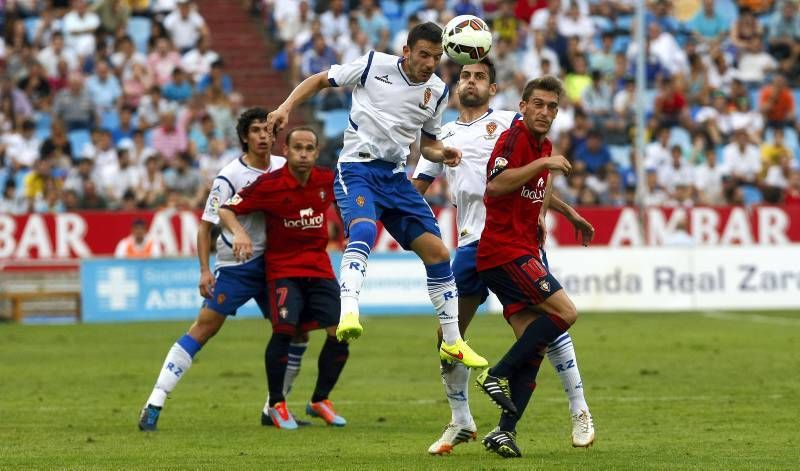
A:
(466, 39)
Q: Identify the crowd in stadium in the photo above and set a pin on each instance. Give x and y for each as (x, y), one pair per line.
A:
(96, 114)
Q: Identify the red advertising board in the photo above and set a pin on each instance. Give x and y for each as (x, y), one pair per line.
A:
(64, 238)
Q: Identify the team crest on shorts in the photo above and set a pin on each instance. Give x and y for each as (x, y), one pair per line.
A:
(545, 285)
(426, 97)
(283, 312)
(220, 298)
(360, 200)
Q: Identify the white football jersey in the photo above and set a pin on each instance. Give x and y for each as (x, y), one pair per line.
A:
(232, 178)
(467, 181)
(388, 110)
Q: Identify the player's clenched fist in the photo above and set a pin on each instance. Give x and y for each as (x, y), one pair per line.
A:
(451, 156)
(560, 163)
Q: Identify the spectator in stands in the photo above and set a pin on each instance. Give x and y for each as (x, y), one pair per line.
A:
(19, 106)
(776, 102)
(593, 152)
(783, 36)
(720, 72)
(741, 158)
(36, 86)
(197, 62)
(152, 190)
(374, 23)
(334, 22)
(318, 58)
(574, 24)
(136, 86)
(466, 7)
(596, 99)
(21, 147)
(163, 60)
(774, 153)
(103, 87)
(746, 30)
(80, 25)
(216, 78)
(201, 135)
(182, 177)
(708, 178)
(435, 11)
(655, 195)
(57, 146)
(754, 64)
(745, 117)
(578, 79)
(49, 23)
(791, 195)
(120, 178)
(74, 106)
(185, 26)
(533, 56)
(604, 58)
(113, 14)
(11, 202)
(125, 57)
(670, 108)
(126, 126)
(55, 52)
(151, 107)
(138, 244)
(657, 153)
(708, 24)
(355, 46)
(38, 179)
(613, 193)
(179, 89)
(696, 81)
(169, 140)
(676, 172)
(79, 174)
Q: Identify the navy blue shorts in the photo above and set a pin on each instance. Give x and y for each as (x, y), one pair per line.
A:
(303, 304)
(235, 286)
(466, 273)
(371, 190)
(520, 284)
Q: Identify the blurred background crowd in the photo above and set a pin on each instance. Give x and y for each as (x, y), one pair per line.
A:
(125, 104)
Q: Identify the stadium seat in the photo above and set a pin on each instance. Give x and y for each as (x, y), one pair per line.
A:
(43, 122)
(796, 93)
(680, 136)
(109, 119)
(78, 139)
(412, 6)
(391, 9)
(139, 31)
(625, 22)
(30, 27)
(621, 43)
(790, 137)
(621, 155)
(334, 122)
(649, 99)
(752, 195)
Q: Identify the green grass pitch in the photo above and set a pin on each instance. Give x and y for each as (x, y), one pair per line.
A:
(667, 391)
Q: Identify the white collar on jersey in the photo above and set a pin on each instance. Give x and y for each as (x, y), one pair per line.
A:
(241, 161)
(476, 119)
(403, 74)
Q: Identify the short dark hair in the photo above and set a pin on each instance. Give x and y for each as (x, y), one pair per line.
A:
(547, 83)
(245, 120)
(424, 31)
(302, 128)
(489, 65)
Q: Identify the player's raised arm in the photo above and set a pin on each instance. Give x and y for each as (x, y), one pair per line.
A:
(504, 179)
(339, 75)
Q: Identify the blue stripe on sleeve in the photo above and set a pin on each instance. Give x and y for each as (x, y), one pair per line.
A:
(225, 179)
(352, 123)
(444, 94)
(428, 135)
(366, 69)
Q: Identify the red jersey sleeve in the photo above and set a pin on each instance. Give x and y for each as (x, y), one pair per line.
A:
(504, 155)
(258, 196)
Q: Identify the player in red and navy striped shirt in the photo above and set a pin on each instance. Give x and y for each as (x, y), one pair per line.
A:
(303, 290)
(509, 260)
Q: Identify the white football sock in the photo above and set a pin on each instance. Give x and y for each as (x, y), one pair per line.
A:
(296, 351)
(352, 272)
(561, 354)
(175, 366)
(455, 378)
(444, 296)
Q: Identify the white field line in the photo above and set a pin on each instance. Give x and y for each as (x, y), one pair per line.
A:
(756, 318)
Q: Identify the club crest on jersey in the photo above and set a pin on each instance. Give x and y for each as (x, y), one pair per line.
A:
(360, 201)
(491, 128)
(234, 200)
(545, 285)
(426, 98)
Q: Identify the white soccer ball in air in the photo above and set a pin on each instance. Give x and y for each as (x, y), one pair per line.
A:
(466, 39)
